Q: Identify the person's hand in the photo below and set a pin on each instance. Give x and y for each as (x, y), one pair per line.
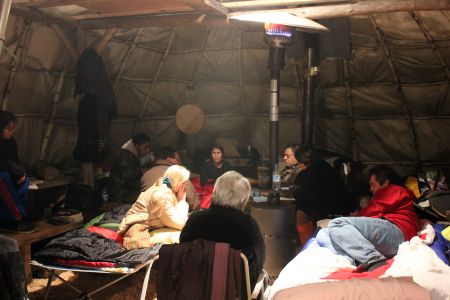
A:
(21, 180)
(181, 193)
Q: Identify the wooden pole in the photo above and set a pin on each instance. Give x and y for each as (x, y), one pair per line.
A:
(56, 97)
(351, 113)
(242, 92)
(432, 43)
(438, 53)
(367, 7)
(127, 57)
(155, 78)
(6, 7)
(81, 39)
(72, 51)
(402, 97)
(109, 33)
(15, 60)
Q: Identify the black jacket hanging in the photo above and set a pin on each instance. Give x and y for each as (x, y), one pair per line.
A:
(96, 108)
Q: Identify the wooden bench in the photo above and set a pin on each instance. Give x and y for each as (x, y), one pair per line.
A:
(45, 230)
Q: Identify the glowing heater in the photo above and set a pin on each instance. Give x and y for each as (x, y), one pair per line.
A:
(278, 37)
(273, 17)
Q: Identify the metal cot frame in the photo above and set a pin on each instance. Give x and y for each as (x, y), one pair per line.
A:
(83, 295)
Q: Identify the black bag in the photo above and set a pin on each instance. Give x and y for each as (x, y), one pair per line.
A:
(438, 205)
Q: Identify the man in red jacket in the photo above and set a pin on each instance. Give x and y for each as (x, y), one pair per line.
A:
(375, 232)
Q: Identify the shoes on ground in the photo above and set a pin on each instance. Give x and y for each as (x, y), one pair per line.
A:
(21, 226)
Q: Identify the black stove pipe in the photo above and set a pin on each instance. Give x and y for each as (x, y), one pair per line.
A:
(308, 89)
(276, 64)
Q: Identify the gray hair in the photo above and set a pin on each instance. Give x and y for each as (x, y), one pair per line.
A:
(177, 175)
(231, 190)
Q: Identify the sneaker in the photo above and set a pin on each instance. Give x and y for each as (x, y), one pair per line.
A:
(21, 226)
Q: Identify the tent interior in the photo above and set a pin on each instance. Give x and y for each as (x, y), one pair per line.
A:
(381, 77)
(382, 92)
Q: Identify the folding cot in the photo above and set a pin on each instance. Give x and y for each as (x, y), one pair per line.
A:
(122, 273)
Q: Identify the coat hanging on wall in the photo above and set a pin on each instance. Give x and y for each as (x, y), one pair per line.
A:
(96, 108)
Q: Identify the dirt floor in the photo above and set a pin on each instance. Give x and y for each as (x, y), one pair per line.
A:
(128, 288)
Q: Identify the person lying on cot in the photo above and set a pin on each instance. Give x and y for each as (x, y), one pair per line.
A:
(374, 233)
(159, 213)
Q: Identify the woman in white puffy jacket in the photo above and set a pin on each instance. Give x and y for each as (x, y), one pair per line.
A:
(159, 213)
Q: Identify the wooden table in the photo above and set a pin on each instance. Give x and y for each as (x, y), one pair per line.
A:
(45, 230)
(43, 194)
(45, 184)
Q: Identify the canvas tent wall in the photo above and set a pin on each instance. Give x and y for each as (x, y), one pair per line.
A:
(389, 102)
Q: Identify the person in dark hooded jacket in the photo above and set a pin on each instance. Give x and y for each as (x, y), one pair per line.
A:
(124, 182)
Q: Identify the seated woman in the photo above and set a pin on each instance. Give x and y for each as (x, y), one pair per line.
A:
(215, 166)
(124, 181)
(159, 213)
(211, 170)
(320, 193)
(13, 182)
(226, 222)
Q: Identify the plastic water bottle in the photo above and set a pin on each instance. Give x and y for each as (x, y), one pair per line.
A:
(105, 196)
(276, 178)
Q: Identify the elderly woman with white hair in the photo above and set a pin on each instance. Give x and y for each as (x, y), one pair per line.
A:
(226, 222)
(159, 213)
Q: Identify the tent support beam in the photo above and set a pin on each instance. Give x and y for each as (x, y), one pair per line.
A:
(15, 60)
(182, 141)
(57, 95)
(351, 114)
(155, 78)
(402, 97)
(430, 40)
(242, 92)
(6, 7)
(109, 33)
(308, 90)
(36, 16)
(435, 48)
(51, 121)
(127, 57)
(81, 40)
(72, 51)
(298, 81)
(367, 7)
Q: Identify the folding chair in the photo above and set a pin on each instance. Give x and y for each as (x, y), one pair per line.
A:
(83, 295)
(261, 284)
